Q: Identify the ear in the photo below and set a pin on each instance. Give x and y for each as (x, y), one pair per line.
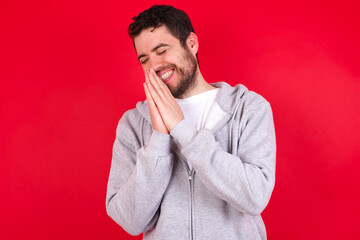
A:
(193, 43)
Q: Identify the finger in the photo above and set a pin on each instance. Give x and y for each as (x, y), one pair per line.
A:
(154, 82)
(148, 85)
(168, 110)
(158, 84)
(147, 91)
(152, 105)
(155, 96)
(161, 89)
(147, 80)
(156, 91)
(149, 97)
(167, 99)
(156, 119)
(159, 81)
(157, 78)
(165, 89)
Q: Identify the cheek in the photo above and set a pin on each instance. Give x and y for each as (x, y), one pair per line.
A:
(172, 59)
(145, 67)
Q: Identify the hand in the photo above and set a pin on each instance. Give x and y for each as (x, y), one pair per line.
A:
(164, 101)
(156, 120)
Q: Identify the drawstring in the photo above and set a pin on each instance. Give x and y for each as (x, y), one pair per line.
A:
(142, 143)
(231, 123)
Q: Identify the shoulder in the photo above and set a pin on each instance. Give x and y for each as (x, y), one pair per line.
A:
(241, 96)
(131, 115)
(255, 108)
(252, 101)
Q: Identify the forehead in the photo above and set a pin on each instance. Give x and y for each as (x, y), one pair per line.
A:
(149, 38)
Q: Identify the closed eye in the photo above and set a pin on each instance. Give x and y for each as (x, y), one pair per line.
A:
(144, 61)
(162, 52)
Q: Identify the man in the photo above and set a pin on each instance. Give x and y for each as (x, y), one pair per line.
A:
(195, 160)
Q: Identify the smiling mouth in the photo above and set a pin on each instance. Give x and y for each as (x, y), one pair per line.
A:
(165, 75)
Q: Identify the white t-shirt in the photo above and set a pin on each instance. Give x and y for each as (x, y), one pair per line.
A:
(202, 110)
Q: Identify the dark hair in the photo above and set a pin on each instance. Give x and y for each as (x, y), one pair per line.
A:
(177, 21)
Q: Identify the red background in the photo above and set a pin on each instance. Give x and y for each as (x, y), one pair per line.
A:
(68, 71)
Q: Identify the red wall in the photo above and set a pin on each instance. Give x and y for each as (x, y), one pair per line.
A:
(68, 72)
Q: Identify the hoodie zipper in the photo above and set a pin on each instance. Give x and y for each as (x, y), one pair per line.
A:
(191, 182)
(191, 174)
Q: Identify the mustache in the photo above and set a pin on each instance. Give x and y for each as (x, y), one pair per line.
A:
(165, 67)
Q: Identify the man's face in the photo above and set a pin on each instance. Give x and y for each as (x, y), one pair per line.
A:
(163, 52)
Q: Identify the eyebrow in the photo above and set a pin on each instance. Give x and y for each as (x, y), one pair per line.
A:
(154, 49)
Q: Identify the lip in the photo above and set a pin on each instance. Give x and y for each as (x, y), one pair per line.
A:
(169, 78)
(165, 71)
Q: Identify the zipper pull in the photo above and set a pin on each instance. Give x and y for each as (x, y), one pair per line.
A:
(190, 174)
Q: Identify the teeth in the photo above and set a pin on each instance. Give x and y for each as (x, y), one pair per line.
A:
(166, 75)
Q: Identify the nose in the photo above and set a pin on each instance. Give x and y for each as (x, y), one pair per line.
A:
(155, 63)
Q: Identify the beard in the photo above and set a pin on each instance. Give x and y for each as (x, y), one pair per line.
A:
(187, 75)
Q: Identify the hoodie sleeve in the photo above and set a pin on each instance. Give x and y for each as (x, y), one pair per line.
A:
(245, 180)
(138, 177)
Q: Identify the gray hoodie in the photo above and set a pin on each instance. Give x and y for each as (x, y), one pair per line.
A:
(151, 189)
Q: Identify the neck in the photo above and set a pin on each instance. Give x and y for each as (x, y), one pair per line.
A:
(200, 86)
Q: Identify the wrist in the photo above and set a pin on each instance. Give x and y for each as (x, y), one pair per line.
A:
(160, 143)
